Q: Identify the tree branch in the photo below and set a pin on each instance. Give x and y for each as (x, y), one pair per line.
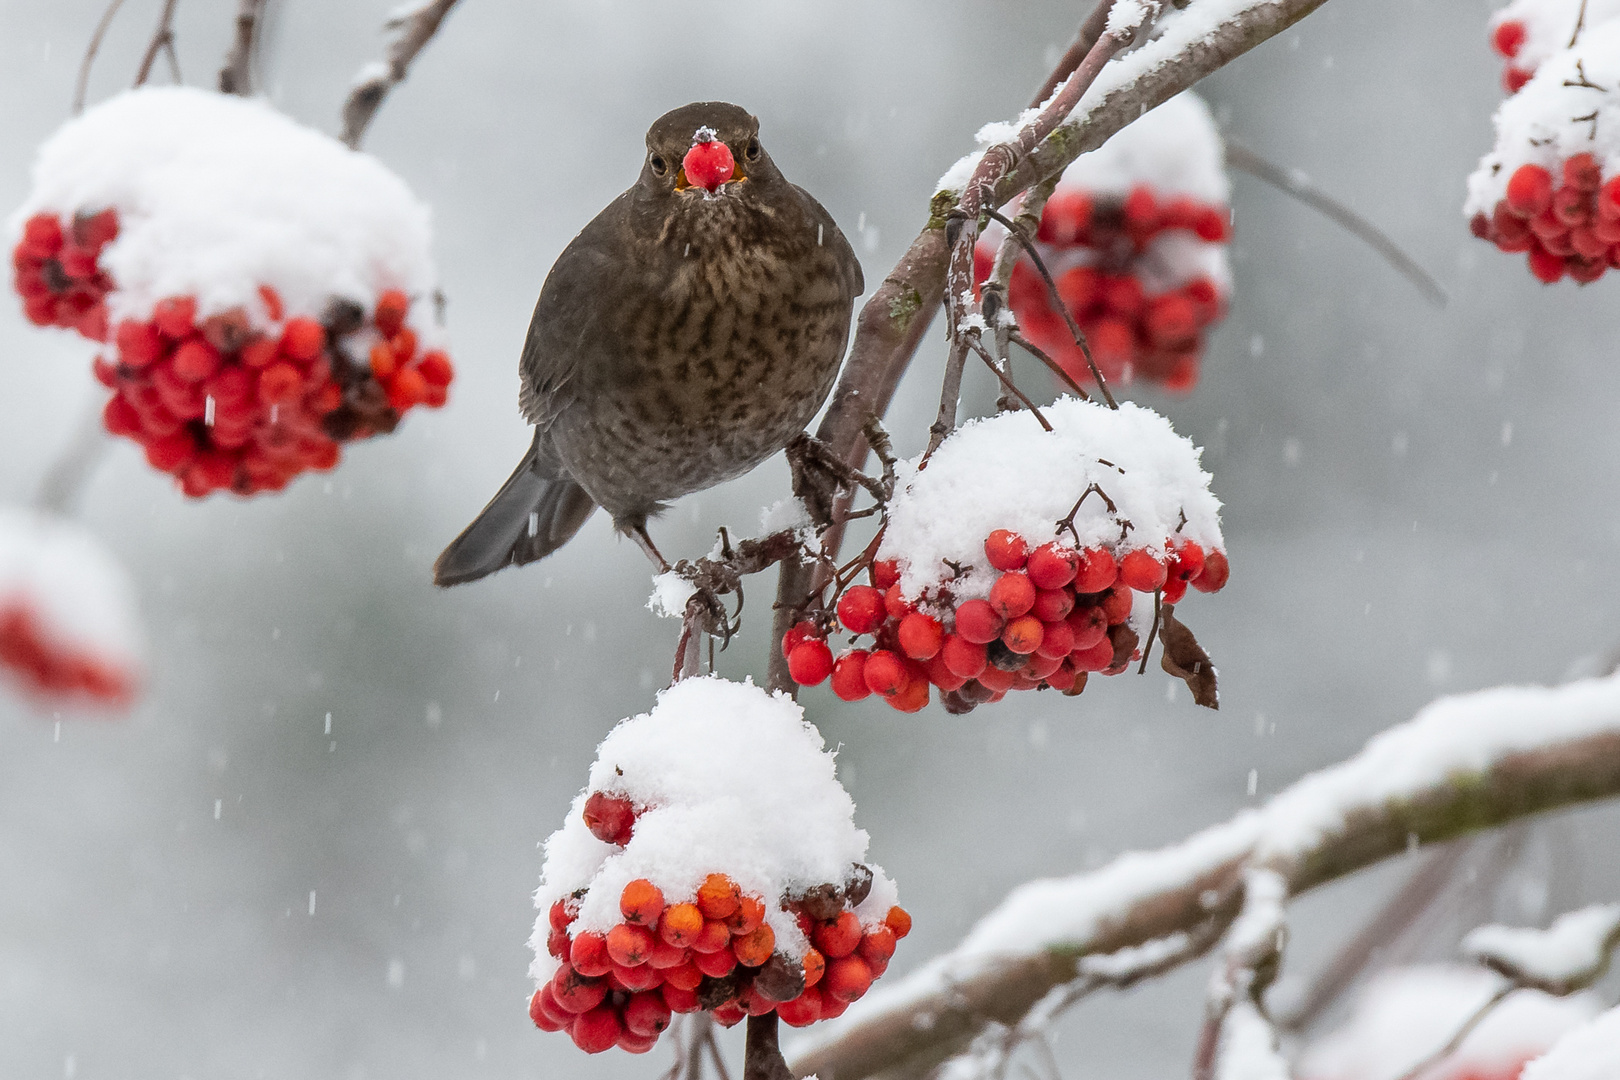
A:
(82, 85)
(162, 38)
(236, 77)
(1484, 760)
(412, 31)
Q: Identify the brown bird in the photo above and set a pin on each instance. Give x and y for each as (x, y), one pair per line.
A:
(684, 336)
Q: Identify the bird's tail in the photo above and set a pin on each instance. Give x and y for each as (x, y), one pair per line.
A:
(529, 518)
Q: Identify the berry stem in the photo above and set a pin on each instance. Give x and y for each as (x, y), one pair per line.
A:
(762, 1060)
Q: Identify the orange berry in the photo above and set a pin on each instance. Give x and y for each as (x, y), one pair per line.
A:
(914, 698)
(407, 388)
(847, 978)
(718, 896)
(680, 924)
(815, 965)
(1023, 635)
(899, 920)
(714, 937)
(749, 914)
(629, 945)
(404, 345)
(646, 1013)
(685, 977)
(754, 948)
(303, 339)
(839, 937)
(1142, 570)
(258, 353)
(383, 363)
(392, 307)
(641, 903)
(877, 945)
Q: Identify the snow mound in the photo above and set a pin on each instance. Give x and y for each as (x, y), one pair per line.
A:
(1176, 149)
(727, 779)
(1591, 1052)
(1406, 1014)
(1006, 472)
(218, 195)
(69, 627)
(1528, 32)
(1570, 107)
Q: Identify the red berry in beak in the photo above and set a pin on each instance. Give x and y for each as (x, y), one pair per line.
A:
(708, 165)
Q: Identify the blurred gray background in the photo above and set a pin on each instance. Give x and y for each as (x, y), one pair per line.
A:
(1417, 502)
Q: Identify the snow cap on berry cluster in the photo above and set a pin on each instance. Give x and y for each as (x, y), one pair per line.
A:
(1590, 1052)
(1570, 107)
(1175, 149)
(79, 595)
(1394, 1020)
(1546, 27)
(727, 779)
(218, 195)
(1006, 472)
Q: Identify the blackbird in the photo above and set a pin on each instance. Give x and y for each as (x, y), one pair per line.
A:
(684, 336)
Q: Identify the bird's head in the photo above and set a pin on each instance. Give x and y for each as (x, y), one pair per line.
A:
(706, 150)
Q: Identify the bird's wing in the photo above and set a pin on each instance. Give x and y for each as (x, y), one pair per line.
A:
(565, 317)
(832, 238)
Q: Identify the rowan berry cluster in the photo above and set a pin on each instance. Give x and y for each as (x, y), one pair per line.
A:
(238, 401)
(53, 669)
(1525, 33)
(710, 950)
(1054, 615)
(1102, 254)
(1567, 223)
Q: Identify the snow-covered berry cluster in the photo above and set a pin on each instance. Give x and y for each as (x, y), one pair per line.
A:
(1526, 32)
(1551, 187)
(1015, 558)
(1135, 238)
(69, 633)
(711, 864)
(264, 293)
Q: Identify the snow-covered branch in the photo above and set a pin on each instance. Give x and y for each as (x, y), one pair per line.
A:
(1462, 764)
(412, 26)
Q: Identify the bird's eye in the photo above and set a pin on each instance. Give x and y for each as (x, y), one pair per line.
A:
(659, 165)
(752, 152)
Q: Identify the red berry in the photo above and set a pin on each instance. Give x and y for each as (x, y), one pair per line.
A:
(609, 818)
(1052, 566)
(877, 944)
(810, 662)
(1171, 318)
(545, 1012)
(138, 344)
(849, 676)
(42, 236)
(1079, 288)
(1052, 604)
(195, 360)
(847, 979)
(921, 636)
(1214, 226)
(1089, 625)
(436, 368)
(914, 698)
(575, 992)
(258, 353)
(682, 999)
(1012, 595)
(641, 903)
(1124, 296)
(303, 339)
(1216, 571)
(717, 964)
(898, 920)
(561, 916)
(708, 165)
(1186, 561)
(1006, 550)
(801, 632)
(596, 1030)
(1097, 658)
(940, 674)
(1174, 589)
(279, 383)
(962, 657)
(382, 361)
(861, 609)
(994, 679)
(886, 673)
(680, 925)
(392, 307)
(1583, 173)
(755, 947)
(837, 937)
(977, 622)
(803, 1010)
(589, 954)
(1508, 38)
(631, 1043)
(895, 604)
(405, 389)
(1097, 571)
(1057, 640)
(629, 945)
(1546, 266)
(718, 898)
(273, 306)
(1142, 571)
(885, 574)
(1529, 190)
(646, 1013)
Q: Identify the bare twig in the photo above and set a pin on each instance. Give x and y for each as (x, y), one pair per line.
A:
(236, 77)
(411, 32)
(1089, 32)
(1006, 382)
(1297, 185)
(1052, 365)
(68, 473)
(82, 85)
(162, 38)
(1462, 1032)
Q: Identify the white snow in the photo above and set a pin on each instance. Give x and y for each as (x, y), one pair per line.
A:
(1124, 963)
(1453, 738)
(788, 513)
(1590, 1052)
(1550, 121)
(218, 195)
(733, 780)
(81, 596)
(1005, 472)
(1572, 951)
(1405, 1015)
(1549, 26)
(1248, 1047)
(669, 596)
(1128, 16)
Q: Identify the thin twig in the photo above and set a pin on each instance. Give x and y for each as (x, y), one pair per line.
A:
(1459, 1035)
(236, 77)
(1052, 365)
(1147, 650)
(714, 1054)
(1084, 39)
(1292, 183)
(1580, 24)
(412, 31)
(1007, 382)
(162, 38)
(68, 473)
(174, 61)
(81, 87)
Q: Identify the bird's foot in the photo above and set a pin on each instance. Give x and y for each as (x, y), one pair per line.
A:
(644, 542)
